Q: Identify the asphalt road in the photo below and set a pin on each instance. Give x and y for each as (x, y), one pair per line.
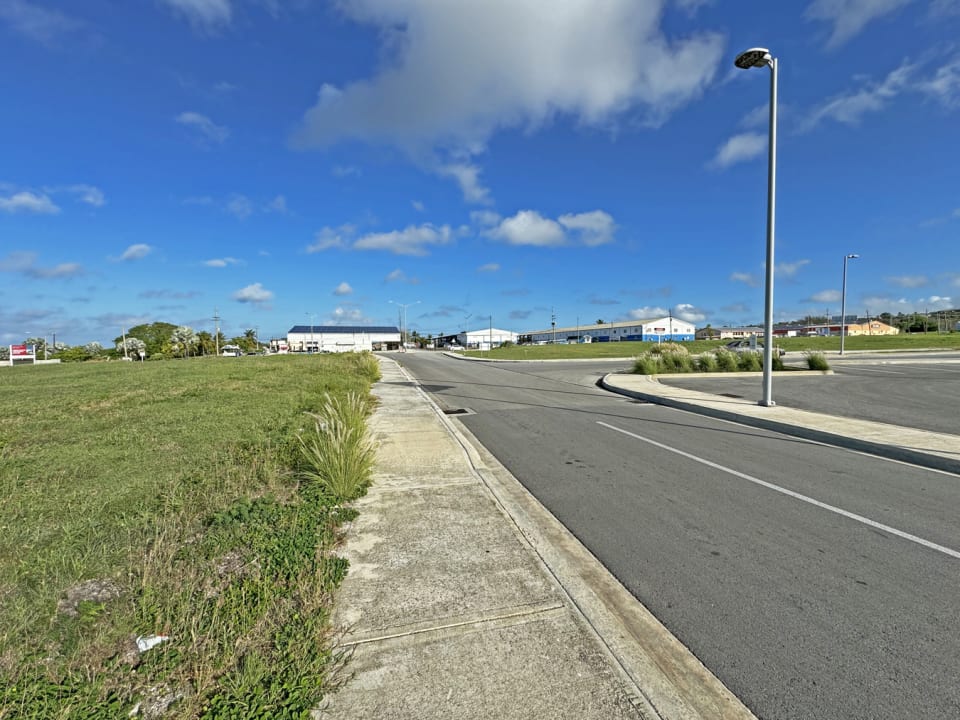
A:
(893, 389)
(801, 610)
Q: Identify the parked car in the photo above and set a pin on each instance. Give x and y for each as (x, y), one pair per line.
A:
(741, 346)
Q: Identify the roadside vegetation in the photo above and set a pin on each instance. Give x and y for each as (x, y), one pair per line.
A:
(671, 358)
(192, 507)
(793, 346)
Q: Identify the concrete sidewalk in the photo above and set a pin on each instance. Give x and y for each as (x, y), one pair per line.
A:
(920, 447)
(466, 599)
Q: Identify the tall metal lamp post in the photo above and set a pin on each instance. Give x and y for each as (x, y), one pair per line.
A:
(761, 57)
(843, 300)
(403, 330)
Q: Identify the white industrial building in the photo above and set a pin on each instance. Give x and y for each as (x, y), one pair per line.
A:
(661, 329)
(482, 339)
(342, 338)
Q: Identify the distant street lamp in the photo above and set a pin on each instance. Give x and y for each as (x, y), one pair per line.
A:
(403, 329)
(843, 300)
(760, 57)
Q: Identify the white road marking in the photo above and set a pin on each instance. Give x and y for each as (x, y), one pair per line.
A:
(790, 493)
(860, 368)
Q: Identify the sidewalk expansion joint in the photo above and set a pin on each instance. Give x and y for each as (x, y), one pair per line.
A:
(492, 620)
(422, 486)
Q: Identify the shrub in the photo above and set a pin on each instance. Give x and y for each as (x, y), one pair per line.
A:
(669, 347)
(750, 362)
(677, 362)
(726, 360)
(816, 361)
(337, 454)
(777, 361)
(647, 364)
(707, 363)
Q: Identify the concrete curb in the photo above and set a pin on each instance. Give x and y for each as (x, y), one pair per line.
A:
(893, 452)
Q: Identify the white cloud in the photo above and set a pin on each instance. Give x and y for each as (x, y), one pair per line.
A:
(255, 294)
(343, 289)
(399, 275)
(457, 72)
(26, 264)
(881, 303)
(593, 228)
(412, 240)
(487, 218)
(688, 312)
(528, 227)
(28, 202)
(740, 148)
(277, 205)
(908, 281)
(850, 16)
(790, 269)
(489, 267)
(945, 83)
(647, 313)
(203, 14)
(136, 252)
(418, 206)
(240, 207)
(221, 262)
(330, 237)
(748, 279)
(88, 194)
(37, 23)
(851, 107)
(468, 178)
(348, 314)
(204, 125)
(342, 171)
(825, 296)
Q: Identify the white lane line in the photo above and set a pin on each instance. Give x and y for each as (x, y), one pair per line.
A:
(791, 493)
(860, 368)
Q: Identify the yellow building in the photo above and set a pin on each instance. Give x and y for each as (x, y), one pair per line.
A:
(871, 327)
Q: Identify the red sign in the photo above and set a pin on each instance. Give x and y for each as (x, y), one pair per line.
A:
(19, 351)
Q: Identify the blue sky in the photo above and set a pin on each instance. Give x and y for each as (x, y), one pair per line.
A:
(288, 162)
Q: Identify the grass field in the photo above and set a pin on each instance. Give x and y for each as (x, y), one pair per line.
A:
(165, 499)
(916, 341)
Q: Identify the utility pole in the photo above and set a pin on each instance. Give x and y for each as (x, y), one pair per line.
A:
(491, 333)
(216, 331)
(123, 331)
(553, 325)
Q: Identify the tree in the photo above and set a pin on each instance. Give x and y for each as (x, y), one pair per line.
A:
(183, 340)
(205, 343)
(134, 346)
(599, 321)
(153, 335)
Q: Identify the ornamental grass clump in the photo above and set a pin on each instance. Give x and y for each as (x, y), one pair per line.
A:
(669, 347)
(676, 362)
(750, 362)
(726, 360)
(816, 361)
(337, 453)
(647, 364)
(706, 363)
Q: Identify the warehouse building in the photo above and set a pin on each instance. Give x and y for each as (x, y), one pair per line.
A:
(652, 330)
(482, 339)
(342, 338)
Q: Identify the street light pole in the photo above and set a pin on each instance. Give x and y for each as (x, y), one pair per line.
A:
(843, 300)
(760, 57)
(403, 328)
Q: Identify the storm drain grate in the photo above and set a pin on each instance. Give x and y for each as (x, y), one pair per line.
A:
(731, 395)
(458, 411)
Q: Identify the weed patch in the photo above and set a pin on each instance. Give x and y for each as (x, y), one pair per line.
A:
(165, 499)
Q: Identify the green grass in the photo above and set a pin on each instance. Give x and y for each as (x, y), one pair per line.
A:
(180, 484)
(912, 341)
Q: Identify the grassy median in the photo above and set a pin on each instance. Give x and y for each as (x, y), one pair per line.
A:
(173, 502)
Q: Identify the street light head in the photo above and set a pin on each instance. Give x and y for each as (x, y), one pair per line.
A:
(754, 57)
(853, 255)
